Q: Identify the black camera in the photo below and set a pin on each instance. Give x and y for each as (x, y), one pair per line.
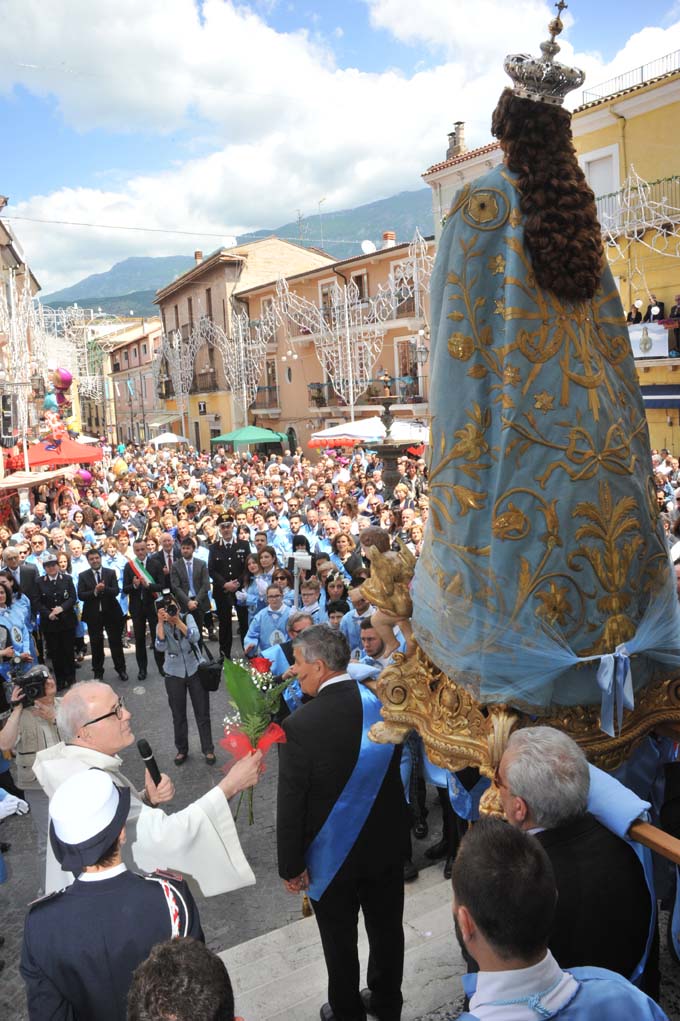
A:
(165, 601)
(32, 683)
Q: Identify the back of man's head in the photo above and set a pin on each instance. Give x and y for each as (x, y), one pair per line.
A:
(548, 770)
(181, 980)
(504, 879)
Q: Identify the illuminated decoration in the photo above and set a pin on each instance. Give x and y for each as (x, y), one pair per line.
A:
(348, 330)
(176, 363)
(242, 354)
(633, 217)
(407, 286)
(245, 353)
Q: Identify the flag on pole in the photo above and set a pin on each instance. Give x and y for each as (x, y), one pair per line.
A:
(140, 570)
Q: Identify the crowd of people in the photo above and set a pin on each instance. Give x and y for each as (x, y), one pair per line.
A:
(174, 549)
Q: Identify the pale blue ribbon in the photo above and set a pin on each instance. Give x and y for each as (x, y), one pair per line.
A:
(615, 681)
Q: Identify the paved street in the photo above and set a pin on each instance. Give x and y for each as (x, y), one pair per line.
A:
(229, 919)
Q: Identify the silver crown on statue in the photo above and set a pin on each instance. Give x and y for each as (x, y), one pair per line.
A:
(542, 79)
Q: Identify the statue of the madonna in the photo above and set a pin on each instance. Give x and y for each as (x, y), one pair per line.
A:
(545, 577)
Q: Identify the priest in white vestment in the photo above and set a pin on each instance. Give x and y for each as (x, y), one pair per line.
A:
(199, 841)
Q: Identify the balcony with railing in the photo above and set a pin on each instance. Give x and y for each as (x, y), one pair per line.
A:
(204, 382)
(267, 399)
(637, 76)
(165, 389)
(404, 389)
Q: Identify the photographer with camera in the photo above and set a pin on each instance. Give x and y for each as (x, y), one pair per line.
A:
(177, 636)
(31, 727)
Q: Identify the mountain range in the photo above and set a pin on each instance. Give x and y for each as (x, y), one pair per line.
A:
(130, 285)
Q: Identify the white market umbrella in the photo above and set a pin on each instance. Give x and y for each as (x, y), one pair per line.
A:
(369, 430)
(168, 438)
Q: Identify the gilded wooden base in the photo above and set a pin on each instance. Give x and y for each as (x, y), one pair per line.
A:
(458, 731)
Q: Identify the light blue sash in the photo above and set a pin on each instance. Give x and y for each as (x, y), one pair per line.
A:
(337, 836)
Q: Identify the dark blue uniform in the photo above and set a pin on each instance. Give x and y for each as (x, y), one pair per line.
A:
(82, 945)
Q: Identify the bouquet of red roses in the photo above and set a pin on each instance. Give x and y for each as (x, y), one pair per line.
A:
(255, 698)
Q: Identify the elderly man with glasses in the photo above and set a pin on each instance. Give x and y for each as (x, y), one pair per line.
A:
(200, 840)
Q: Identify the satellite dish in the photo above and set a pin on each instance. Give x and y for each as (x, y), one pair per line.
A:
(638, 303)
(229, 243)
(655, 310)
(367, 247)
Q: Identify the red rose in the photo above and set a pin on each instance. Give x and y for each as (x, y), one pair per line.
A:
(260, 664)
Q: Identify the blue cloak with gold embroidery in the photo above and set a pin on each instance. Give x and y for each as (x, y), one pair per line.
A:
(544, 550)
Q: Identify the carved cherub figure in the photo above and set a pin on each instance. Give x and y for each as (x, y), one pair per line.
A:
(388, 589)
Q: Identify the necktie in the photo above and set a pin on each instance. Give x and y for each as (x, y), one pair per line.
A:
(97, 577)
(169, 561)
(190, 576)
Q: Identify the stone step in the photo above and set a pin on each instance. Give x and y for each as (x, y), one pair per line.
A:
(281, 976)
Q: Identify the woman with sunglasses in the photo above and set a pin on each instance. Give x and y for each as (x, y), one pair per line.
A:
(284, 579)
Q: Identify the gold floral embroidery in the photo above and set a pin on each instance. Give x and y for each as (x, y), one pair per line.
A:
(544, 402)
(468, 499)
(555, 604)
(515, 218)
(482, 207)
(461, 347)
(471, 443)
(497, 264)
(511, 376)
(486, 209)
(511, 524)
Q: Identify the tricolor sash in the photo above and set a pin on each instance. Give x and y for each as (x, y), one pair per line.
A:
(337, 836)
(139, 570)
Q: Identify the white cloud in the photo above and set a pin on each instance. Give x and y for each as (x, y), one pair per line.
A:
(289, 126)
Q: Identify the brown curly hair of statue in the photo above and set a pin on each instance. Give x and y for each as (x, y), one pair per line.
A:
(561, 229)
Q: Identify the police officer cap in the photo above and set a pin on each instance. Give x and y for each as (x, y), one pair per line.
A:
(87, 812)
(225, 519)
(50, 558)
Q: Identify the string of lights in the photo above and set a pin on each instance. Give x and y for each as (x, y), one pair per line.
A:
(170, 230)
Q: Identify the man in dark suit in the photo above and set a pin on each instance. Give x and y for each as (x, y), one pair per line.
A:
(166, 556)
(190, 583)
(226, 564)
(142, 605)
(56, 603)
(604, 909)
(98, 591)
(362, 838)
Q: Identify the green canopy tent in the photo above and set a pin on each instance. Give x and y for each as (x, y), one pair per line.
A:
(250, 435)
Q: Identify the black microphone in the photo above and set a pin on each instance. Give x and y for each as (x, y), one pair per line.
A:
(144, 749)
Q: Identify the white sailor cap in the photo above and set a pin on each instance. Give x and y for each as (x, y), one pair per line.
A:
(87, 812)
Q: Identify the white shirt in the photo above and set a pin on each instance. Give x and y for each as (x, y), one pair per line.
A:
(333, 680)
(496, 988)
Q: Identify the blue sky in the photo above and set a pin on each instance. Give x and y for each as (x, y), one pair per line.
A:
(220, 118)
